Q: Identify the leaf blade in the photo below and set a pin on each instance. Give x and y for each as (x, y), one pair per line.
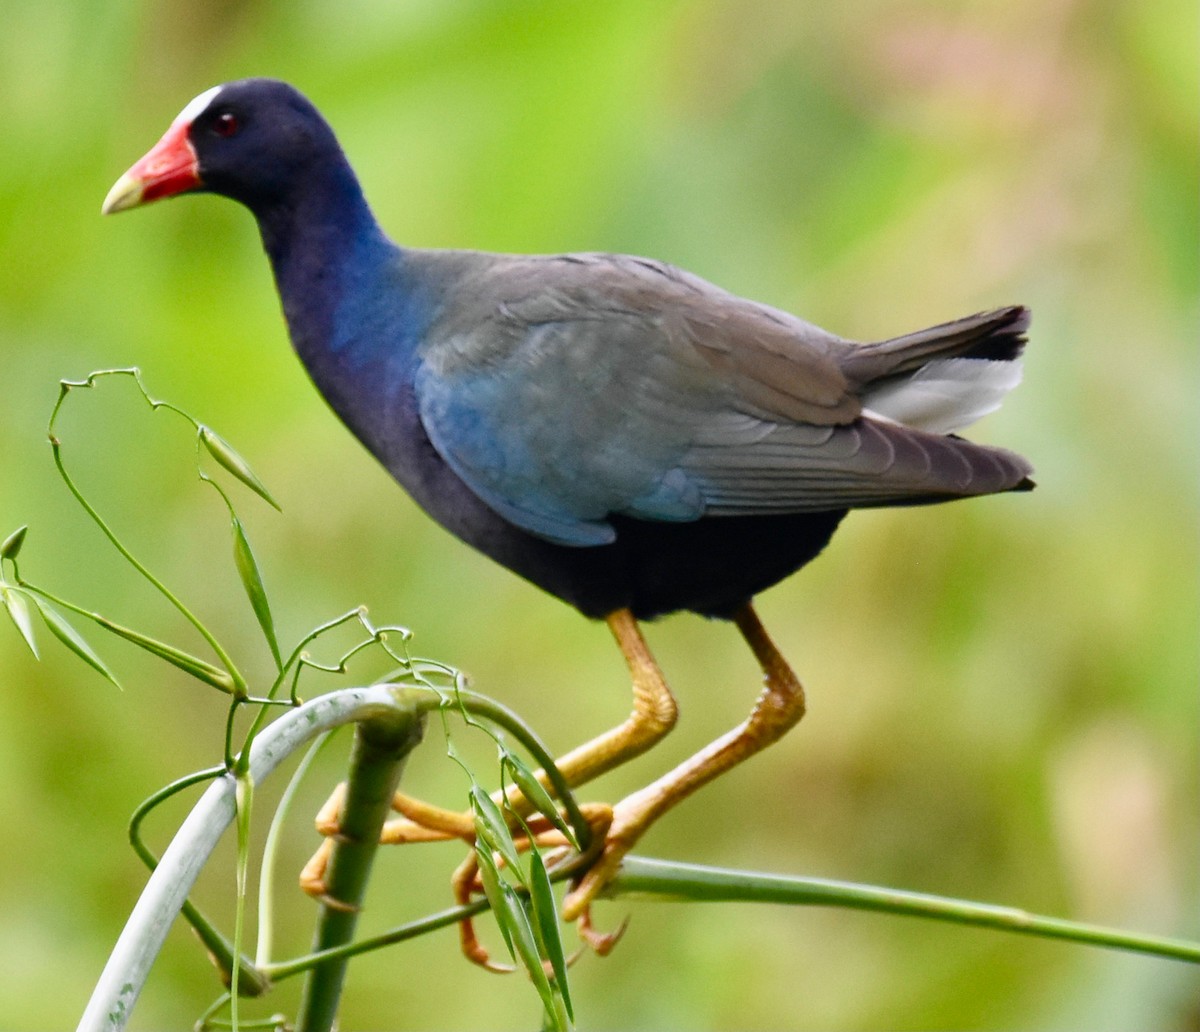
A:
(492, 829)
(185, 661)
(545, 914)
(247, 567)
(18, 609)
(489, 875)
(526, 945)
(230, 460)
(71, 638)
(536, 793)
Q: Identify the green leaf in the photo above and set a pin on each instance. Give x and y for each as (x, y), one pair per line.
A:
(67, 634)
(492, 829)
(18, 609)
(189, 664)
(12, 543)
(526, 946)
(244, 797)
(493, 888)
(545, 914)
(223, 452)
(535, 792)
(252, 581)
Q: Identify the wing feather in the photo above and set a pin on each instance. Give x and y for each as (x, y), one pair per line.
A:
(566, 389)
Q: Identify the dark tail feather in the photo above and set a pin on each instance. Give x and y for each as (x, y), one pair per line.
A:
(997, 336)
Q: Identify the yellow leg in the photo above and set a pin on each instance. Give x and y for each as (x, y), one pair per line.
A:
(779, 707)
(652, 717)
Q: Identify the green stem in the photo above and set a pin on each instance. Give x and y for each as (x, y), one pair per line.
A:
(120, 983)
(380, 748)
(250, 978)
(266, 879)
(292, 662)
(691, 882)
(285, 969)
(56, 448)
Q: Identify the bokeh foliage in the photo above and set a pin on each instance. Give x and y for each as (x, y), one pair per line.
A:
(1003, 693)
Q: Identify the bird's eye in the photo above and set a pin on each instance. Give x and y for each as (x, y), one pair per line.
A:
(225, 124)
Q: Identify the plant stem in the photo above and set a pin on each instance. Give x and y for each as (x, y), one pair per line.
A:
(65, 388)
(281, 970)
(678, 881)
(116, 992)
(376, 762)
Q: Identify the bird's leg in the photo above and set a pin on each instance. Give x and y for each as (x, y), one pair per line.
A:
(652, 717)
(779, 707)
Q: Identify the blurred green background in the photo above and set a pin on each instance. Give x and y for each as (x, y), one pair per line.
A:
(1003, 694)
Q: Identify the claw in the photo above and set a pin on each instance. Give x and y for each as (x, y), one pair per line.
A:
(329, 817)
(477, 953)
(465, 883)
(601, 943)
(312, 876)
(579, 900)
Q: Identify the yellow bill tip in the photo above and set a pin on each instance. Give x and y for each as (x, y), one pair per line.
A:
(126, 193)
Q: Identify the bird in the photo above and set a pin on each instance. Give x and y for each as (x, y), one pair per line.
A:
(623, 434)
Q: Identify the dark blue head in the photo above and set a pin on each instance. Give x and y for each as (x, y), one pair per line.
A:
(256, 141)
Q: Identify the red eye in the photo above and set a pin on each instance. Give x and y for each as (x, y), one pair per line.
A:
(225, 124)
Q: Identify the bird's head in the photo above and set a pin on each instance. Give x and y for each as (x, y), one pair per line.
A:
(250, 140)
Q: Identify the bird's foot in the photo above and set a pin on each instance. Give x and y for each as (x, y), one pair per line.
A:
(467, 883)
(312, 875)
(624, 828)
(422, 822)
(600, 943)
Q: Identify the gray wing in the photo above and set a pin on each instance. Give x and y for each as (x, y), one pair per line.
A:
(565, 389)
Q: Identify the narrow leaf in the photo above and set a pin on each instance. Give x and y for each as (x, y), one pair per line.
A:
(67, 634)
(252, 581)
(492, 829)
(223, 452)
(535, 792)
(12, 543)
(18, 609)
(545, 914)
(493, 889)
(559, 1021)
(526, 945)
(189, 664)
(244, 797)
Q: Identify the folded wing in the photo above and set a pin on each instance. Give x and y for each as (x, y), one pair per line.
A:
(564, 390)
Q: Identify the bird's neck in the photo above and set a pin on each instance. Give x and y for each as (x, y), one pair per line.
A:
(324, 246)
(350, 296)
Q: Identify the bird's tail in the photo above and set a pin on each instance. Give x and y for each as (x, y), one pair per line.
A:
(943, 378)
